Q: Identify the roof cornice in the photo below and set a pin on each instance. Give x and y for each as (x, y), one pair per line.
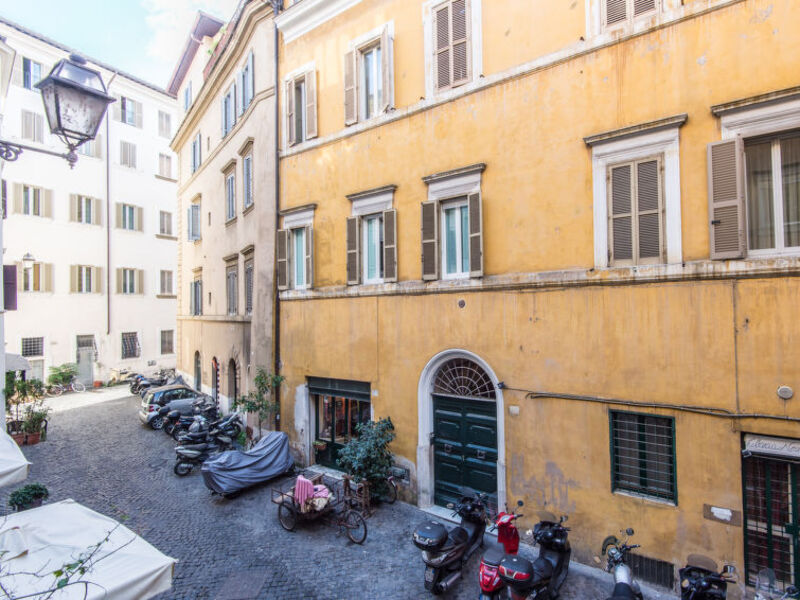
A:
(304, 16)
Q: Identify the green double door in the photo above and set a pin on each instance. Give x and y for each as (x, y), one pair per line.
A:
(464, 448)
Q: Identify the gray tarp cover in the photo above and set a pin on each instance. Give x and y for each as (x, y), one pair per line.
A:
(233, 470)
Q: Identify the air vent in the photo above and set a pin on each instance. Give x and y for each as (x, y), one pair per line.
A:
(652, 570)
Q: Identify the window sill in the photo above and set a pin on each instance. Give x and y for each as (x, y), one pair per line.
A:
(230, 221)
(166, 296)
(248, 209)
(644, 497)
(164, 236)
(163, 178)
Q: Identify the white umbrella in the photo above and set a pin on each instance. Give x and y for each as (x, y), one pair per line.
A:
(123, 566)
(13, 464)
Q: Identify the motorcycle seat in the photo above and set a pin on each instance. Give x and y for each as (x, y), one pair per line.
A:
(622, 591)
(494, 555)
(457, 536)
(196, 447)
(542, 569)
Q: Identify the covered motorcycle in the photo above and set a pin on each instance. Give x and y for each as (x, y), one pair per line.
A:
(234, 470)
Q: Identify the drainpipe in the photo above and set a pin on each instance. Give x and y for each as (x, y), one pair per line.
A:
(108, 214)
(277, 6)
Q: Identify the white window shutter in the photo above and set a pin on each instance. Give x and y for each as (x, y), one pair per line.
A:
(387, 70)
(309, 256)
(289, 112)
(311, 104)
(350, 88)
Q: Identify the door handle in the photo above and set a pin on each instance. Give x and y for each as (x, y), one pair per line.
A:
(716, 222)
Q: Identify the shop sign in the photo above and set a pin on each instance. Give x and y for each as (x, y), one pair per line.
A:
(760, 444)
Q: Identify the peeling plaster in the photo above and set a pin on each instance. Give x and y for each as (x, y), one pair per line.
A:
(550, 492)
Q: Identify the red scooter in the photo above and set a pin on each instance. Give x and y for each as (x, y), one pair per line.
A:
(492, 587)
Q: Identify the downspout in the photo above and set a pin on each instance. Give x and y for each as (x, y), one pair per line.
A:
(108, 214)
(277, 6)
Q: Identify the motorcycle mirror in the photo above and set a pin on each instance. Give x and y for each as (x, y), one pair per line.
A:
(520, 503)
(729, 573)
(564, 518)
(629, 531)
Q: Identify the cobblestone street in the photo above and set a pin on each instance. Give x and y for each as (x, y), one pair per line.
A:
(102, 456)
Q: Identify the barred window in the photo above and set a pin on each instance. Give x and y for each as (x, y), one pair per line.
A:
(167, 341)
(85, 341)
(643, 455)
(130, 345)
(33, 346)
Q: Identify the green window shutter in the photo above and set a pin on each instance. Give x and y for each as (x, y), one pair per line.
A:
(353, 250)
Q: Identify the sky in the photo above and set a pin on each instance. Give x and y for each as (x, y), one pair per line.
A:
(141, 37)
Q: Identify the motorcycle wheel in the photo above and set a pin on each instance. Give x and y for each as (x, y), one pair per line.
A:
(391, 492)
(176, 433)
(182, 469)
(168, 428)
(157, 423)
(356, 527)
(287, 516)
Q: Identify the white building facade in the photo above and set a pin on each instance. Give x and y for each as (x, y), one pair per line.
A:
(94, 246)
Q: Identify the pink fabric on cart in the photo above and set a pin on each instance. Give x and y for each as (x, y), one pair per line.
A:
(321, 491)
(303, 490)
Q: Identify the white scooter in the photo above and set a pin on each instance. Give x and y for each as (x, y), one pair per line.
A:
(767, 587)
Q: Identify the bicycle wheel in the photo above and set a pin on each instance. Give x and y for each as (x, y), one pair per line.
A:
(287, 516)
(54, 390)
(356, 526)
(77, 386)
(391, 492)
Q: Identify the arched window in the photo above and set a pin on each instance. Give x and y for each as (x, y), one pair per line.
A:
(463, 378)
(198, 372)
(233, 380)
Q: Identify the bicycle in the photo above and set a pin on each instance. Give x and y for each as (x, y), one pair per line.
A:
(54, 390)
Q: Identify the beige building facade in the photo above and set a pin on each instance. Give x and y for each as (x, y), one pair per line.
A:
(225, 147)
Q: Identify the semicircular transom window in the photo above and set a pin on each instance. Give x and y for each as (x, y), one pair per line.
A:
(462, 377)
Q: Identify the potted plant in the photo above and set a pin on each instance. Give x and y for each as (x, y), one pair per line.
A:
(367, 456)
(28, 496)
(34, 422)
(320, 445)
(259, 402)
(21, 393)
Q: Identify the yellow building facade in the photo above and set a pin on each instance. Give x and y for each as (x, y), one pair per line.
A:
(558, 244)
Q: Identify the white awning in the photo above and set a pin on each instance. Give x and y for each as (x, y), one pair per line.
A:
(13, 464)
(125, 567)
(15, 362)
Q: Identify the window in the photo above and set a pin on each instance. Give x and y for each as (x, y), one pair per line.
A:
(84, 212)
(643, 455)
(32, 126)
(455, 236)
(93, 148)
(164, 124)
(621, 12)
(127, 154)
(247, 184)
(84, 280)
(130, 345)
(33, 346)
(248, 287)
(230, 197)
(371, 81)
(299, 124)
(247, 87)
(165, 165)
(36, 277)
(83, 342)
(32, 201)
(166, 283)
(197, 147)
(451, 44)
(294, 252)
(187, 96)
(301, 108)
(165, 223)
(232, 288)
(128, 281)
(130, 111)
(193, 220)
(368, 77)
(167, 341)
(372, 243)
(31, 73)
(196, 297)
(128, 217)
(772, 188)
(229, 110)
(635, 212)
(297, 254)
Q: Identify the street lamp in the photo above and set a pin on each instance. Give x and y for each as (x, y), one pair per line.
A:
(28, 258)
(75, 102)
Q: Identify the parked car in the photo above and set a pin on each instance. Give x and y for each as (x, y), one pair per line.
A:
(158, 397)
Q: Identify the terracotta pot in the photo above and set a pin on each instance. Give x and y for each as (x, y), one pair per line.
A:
(35, 504)
(33, 438)
(98, 384)
(19, 438)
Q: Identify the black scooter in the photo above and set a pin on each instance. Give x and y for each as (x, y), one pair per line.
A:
(700, 579)
(544, 577)
(196, 454)
(445, 552)
(616, 551)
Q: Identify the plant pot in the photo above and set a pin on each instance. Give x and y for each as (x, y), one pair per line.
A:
(320, 447)
(33, 438)
(33, 504)
(19, 438)
(98, 384)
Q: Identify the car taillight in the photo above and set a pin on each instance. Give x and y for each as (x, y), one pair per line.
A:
(151, 407)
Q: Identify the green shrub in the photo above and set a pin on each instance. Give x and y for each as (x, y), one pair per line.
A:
(27, 495)
(367, 457)
(63, 374)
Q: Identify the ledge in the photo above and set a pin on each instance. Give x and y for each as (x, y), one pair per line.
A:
(249, 209)
(625, 132)
(162, 178)
(297, 209)
(215, 319)
(373, 192)
(163, 236)
(776, 97)
(248, 143)
(247, 249)
(228, 166)
(469, 170)
(230, 221)
(166, 296)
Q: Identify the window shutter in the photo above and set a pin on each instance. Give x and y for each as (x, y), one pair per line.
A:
(238, 96)
(282, 254)
(250, 84)
(290, 113)
(73, 207)
(48, 204)
(616, 11)
(16, 75)
(117, 107)
(20, 281)
(460, 40)
(17, 201)
(38, 128)
(350, 89)
(139, 114)
(311, 104)
(441, 28)
(139, 218)
(189, 221)
(390, 245)
(309, 256)
(475, 235)
(621, 226)
(353, 250)
(48, 277)
(37, 277)
(648, 198)
(726, 199)
(120, 275)
(191, 298)
(73, 278)
(27, 125)
(387, 70)
(223, 116)
(97, 280)
(139, 281)
(642, 6)
(97, 211)
(430, 241)
(98, 146)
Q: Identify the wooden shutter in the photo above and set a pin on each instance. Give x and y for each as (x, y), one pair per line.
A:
(10, 283)
(475, 235)
(98, 146)
(309, 256)
(441, 32)
(350, 88)
(460, 27)
(20, 278)
(390, 245)
(73, 278)
(117, 109)
(139, 218)
(353, 250)
(282, 256)
(139, 112)
(643, 6)
(290, 113)
(48, 203)
(47, 284)
(17, 77)
(430, 241)
(27, 125)
(120, 275)
(37, 277)
(119, 215)
(38, 128)
(649, 216)
(726, 199)
(311, 105)
(17, 200)
(73, 207)
(139, 281)
(189, 221)
(251, 79)
(620, 239)
(97, 280)
(97, 211)
(616, 11)
(387, 70)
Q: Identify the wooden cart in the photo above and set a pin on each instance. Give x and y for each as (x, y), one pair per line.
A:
(336, 511)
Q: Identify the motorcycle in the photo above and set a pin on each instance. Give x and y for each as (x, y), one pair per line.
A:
(625, 588)
(200, 428)
(176, 422)
(767, 587)
(700, 579)
(196, 454)
(544, 577)
(508, 543)
(445, 552)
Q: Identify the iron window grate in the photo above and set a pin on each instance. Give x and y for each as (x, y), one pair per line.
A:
(167, 341)
(652, 570)
(130, 345)
(33, 346)
(643, 455)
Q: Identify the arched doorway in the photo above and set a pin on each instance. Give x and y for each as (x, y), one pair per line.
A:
(233, 380)
(461, 433)
(198, 373)
(215, 378)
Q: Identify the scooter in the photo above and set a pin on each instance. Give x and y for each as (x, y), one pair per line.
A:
(544, 577)
(196, 454)
(445, 552)
(492, 587)
(701, 580)
(767, 587)
(625, 588)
